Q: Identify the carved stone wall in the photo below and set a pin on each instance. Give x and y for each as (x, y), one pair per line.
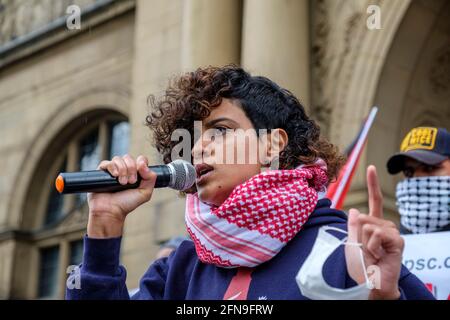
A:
(355, 68)
(413, 88)
(20, 17)
(40, 95)
(335, 26)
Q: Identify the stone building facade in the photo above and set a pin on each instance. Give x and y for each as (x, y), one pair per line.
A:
(68, 97)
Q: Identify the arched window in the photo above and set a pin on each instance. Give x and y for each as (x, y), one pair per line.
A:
(105, 140)
(60, 220)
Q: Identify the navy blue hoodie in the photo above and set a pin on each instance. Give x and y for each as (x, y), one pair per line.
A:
(183, 276)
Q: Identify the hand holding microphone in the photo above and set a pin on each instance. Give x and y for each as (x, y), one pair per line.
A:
(178, 175)
(124, 184)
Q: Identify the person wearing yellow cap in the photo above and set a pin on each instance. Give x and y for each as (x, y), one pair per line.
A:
(423, 197)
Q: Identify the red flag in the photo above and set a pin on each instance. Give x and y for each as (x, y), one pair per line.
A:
(337, 190)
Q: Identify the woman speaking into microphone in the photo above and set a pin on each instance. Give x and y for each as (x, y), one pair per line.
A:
(260, 229)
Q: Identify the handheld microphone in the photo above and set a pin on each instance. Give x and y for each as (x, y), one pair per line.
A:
(178, 175)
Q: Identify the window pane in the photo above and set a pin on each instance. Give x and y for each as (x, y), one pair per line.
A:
(119, 134)
(56, 200)
(89, 158)
(48, 273)
(76, 252)
(89, 151)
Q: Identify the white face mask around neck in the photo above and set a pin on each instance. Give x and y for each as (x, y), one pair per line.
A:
(310, 276)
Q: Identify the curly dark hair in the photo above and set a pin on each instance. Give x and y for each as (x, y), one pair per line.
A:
(193, 95)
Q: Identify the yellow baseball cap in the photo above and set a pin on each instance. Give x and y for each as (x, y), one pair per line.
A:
(428, 145)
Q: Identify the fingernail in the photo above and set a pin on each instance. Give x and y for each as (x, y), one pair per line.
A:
(123, 180)
(352, 214)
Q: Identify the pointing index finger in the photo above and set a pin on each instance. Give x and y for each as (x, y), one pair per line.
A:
(375, 194)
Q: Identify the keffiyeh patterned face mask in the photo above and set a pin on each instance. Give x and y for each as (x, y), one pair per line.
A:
(424, 203)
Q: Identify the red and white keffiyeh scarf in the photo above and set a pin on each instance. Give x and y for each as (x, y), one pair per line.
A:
(258, 218)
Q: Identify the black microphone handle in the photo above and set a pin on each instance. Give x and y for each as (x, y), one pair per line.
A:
(102, 181)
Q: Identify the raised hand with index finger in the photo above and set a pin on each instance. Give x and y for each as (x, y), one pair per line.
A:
(382, 244)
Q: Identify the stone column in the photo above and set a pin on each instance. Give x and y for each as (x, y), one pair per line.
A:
(275, 43)
(157, 58)
(211, 33)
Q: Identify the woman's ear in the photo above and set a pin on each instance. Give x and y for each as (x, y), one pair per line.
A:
(278, 140)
